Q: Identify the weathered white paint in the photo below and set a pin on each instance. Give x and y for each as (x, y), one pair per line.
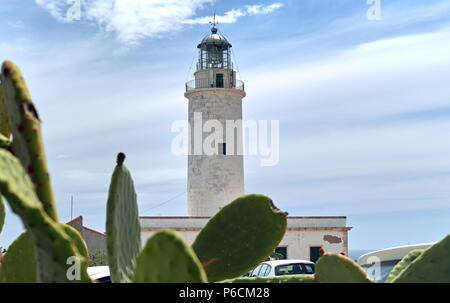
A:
(214, 180)
(302, 232)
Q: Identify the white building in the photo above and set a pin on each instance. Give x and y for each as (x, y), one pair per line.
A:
(216, 177)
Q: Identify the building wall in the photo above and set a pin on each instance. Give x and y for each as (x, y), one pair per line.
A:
(94, 240)
(330, 233)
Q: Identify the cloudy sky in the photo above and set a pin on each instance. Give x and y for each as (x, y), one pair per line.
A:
(363, 105)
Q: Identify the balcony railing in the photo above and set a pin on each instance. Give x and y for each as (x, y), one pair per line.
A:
(205, 83)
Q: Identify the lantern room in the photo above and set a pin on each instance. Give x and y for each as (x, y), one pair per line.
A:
(214, 52)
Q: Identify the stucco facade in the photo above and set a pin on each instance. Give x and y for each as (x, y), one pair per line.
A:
(303, 234)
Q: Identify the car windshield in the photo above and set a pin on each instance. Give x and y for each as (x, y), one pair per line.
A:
(294, 269)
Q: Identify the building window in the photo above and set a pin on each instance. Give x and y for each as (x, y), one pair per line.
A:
(314, 253)
(222, 148)
(282, 252)
(219, 80)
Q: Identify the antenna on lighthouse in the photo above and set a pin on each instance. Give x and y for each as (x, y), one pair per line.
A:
(214, 23)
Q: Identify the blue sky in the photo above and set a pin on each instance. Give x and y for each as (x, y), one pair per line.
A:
(364, 106)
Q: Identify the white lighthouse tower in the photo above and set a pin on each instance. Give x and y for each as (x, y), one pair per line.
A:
(215, 161)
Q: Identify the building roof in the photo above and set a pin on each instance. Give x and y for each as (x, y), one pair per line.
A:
(214, 38)
(84, 227)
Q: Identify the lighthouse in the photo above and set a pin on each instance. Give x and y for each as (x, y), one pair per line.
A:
(216, 166)
(215, 160)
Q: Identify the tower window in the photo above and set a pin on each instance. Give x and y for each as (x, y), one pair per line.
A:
(219, 80)
(222, 148)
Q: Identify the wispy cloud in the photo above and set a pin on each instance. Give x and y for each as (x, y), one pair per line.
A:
(134, 20)
(233, 15)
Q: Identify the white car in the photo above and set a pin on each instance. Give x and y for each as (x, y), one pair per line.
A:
(99, 274)
(283, 267)
(378, 264)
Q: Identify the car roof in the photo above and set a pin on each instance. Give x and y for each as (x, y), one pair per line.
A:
(288, 261)
(392, 253)
(97, 272)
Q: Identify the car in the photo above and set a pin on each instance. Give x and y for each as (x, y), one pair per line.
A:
(283, 267)
(99, 274)
(387, 259)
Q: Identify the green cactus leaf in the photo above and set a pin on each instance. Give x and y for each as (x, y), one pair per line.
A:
(53, 247)
(18, 265)
(122, 224)
(4, 142)
(432, 266)
(166, 258)
(336, 268)
(77, 239)
(4, 125)
(239, 237)
(278, 279)
(2, 213)
(397, 270)
(25, 127)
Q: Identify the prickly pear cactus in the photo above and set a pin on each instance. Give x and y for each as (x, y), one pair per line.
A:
(239, 237)
(123, 229)
(410, 257)
(25, 127)
(432, 266)
(77, 240)
(167, 258)
(4, 126)
(53, 247)
(4, 142)
(278, 279)
(336, 268)
(19, 264)
(2, 213)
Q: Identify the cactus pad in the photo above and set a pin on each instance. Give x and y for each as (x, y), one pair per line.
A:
(25, 127)
(278, 279)
(4, 142)
(19, 264)
(52, 245)
(122, 224)
(2, 213)
(167, 258)
(411, 256)
(4, 125)
(239, 237)
(336, 268)
(432, 266)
